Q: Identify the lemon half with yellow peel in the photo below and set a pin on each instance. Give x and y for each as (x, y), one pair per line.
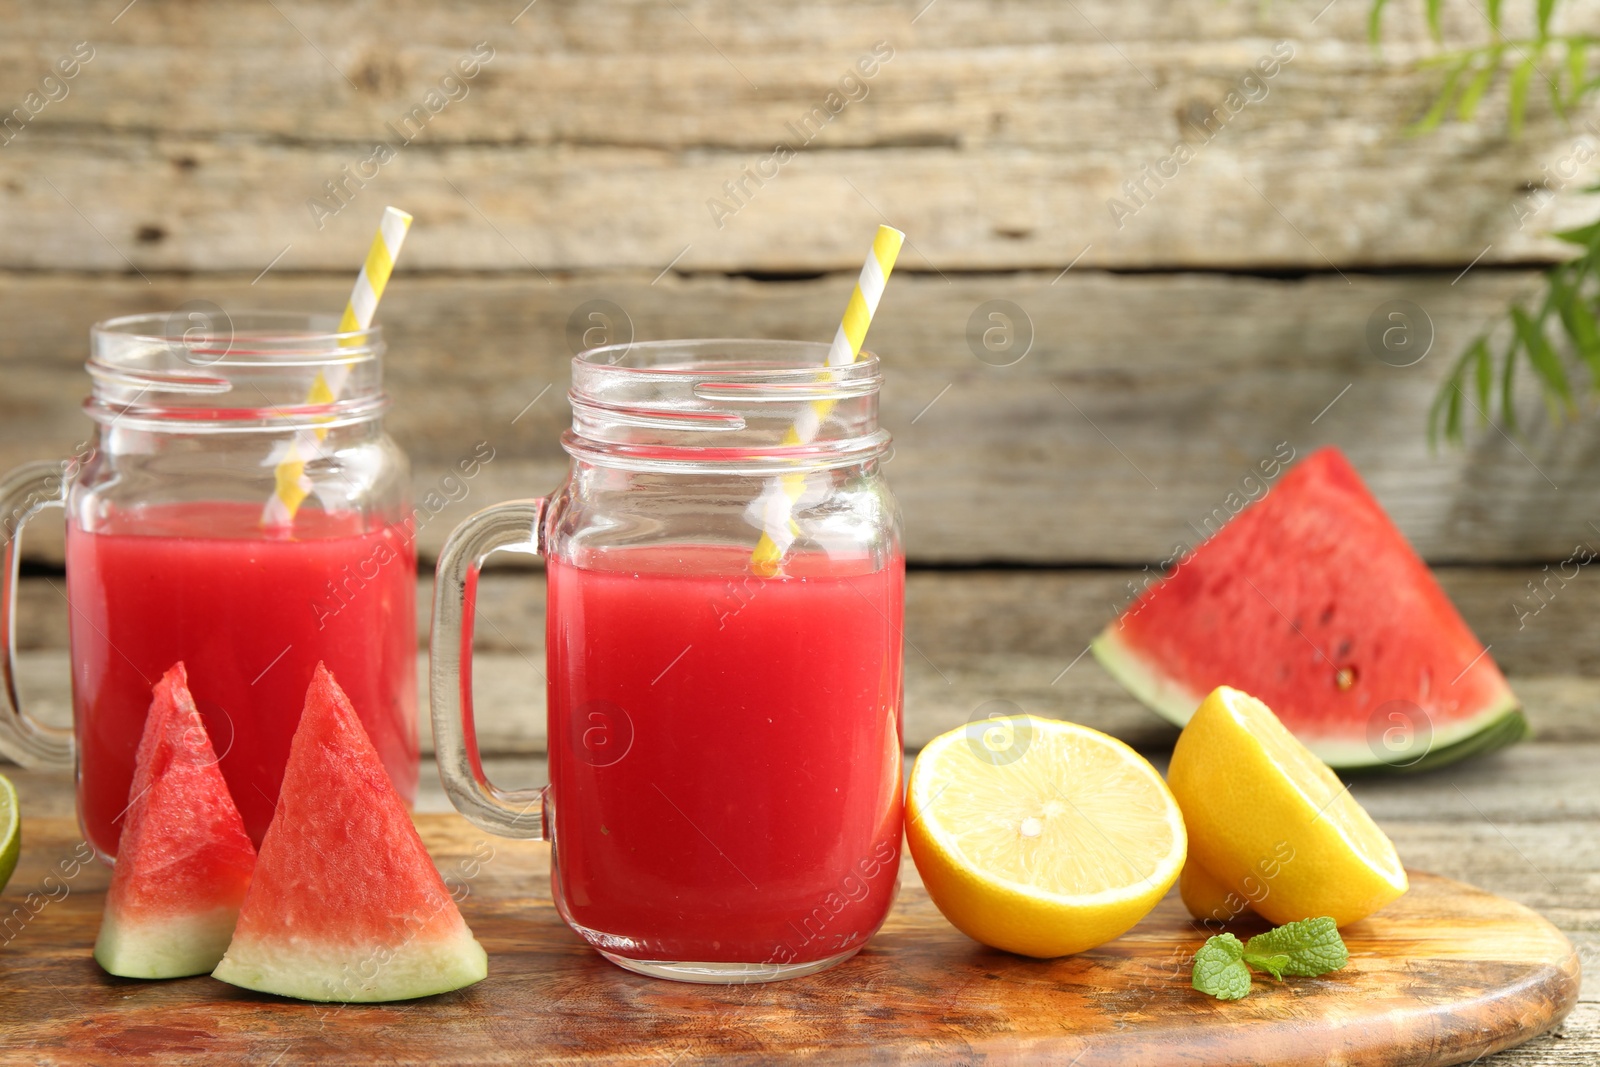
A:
(1058, 840)
(1269, 820)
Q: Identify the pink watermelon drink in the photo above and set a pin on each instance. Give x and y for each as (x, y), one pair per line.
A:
(251, 617)
(725, 753)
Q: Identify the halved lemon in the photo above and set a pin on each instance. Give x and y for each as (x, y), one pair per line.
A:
(1271, 822)
(1041, 837)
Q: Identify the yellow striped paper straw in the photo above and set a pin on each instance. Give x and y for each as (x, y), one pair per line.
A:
(778, 527)
(292, 484)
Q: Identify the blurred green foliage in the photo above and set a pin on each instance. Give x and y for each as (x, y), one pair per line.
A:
(1555, 336)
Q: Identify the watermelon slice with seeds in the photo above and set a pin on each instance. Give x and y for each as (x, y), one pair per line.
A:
(1312, 600)
(184, 861)
(346, 904)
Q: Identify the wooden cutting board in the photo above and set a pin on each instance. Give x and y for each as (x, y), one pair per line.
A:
(1442, 976)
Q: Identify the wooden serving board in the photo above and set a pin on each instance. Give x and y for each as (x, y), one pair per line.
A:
(1444, 975)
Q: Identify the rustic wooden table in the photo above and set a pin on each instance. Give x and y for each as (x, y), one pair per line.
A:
(1477, 973)
(1519, 823)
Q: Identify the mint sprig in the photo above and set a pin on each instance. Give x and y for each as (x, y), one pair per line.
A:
(1273, 965)
(1303, 949)
(1312, 947)
(1219, 968)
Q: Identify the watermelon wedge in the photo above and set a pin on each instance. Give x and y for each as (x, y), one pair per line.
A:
(184, 860)
(1312, 600)
(346, 904)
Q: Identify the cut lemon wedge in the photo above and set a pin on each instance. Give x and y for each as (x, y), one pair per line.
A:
(1041, 837)
(1270, 821)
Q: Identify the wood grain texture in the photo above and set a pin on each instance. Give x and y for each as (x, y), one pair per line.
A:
(596, 137)
(1573, 1044)
(541, 86)
(1444, 975)
(1144, 402)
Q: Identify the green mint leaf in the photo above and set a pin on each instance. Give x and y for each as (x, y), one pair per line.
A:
(1310, 947)
(1273, 965)
(1219, 970)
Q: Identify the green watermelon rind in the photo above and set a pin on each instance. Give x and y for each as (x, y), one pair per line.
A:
(1510, 727)
(356, 974)
(1497, 726)
(176, 947)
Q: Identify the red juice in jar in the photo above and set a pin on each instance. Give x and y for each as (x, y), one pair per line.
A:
(725, 752)
(250, 615)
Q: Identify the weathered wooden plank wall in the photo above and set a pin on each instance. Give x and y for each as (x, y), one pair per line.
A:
(592, 137)
(580, 161)
(1143, 402)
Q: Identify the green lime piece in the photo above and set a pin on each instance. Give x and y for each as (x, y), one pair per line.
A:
(10, 830)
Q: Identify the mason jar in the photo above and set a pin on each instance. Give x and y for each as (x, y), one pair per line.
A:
(725, 584)
(242, 511)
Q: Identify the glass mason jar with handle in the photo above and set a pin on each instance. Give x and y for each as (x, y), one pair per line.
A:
(724, 732)
(226, 520)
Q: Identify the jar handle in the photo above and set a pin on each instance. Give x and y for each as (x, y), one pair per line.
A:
(23, 493)
(515, 526)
